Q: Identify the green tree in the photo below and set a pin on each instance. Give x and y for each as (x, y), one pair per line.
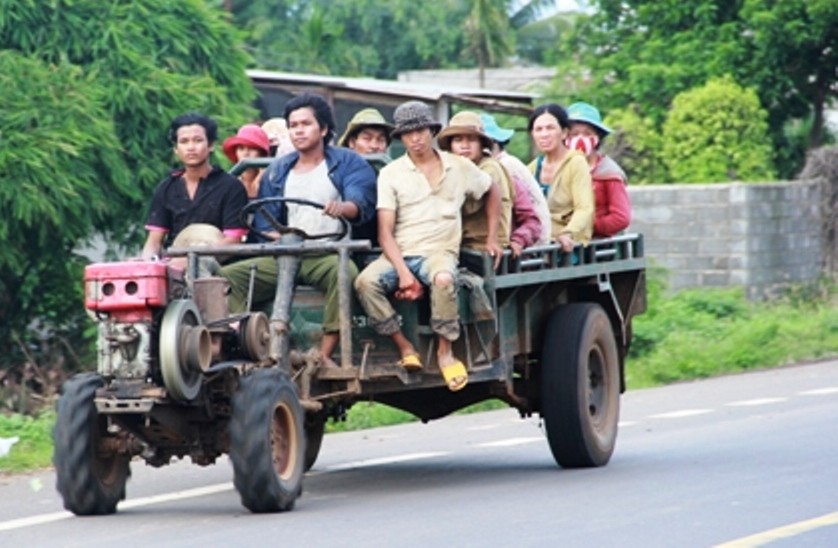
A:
(376, 38)
(637, 145)
(645, 52)
(488, 33)
(794, 62)
(716, 133)
(88, 90)
(379, 39)
(536, 41)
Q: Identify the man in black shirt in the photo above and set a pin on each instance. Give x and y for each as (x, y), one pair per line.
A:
(196, 193)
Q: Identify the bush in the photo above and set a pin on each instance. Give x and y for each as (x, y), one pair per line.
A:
(717, 133)
(704, 332)
(637, 146)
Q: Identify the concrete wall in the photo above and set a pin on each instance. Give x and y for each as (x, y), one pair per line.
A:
(761, 236)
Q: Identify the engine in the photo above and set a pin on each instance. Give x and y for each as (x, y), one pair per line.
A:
(127, 300)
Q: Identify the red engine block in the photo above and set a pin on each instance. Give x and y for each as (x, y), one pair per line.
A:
(129, 290)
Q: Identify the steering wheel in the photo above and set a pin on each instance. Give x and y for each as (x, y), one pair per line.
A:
(258, 207)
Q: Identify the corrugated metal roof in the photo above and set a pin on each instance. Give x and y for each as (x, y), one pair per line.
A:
(407, 90)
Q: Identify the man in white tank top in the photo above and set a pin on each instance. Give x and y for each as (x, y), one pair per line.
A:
(336, 177)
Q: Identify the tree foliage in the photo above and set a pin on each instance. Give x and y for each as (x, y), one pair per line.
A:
(715, 133)
(646, 52)
(637, 146)
(379, 39)
(88, 91)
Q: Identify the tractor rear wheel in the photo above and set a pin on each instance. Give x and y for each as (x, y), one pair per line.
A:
(580, 385)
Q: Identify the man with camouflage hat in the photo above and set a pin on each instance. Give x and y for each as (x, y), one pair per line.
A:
(367, 133)
(420, 196)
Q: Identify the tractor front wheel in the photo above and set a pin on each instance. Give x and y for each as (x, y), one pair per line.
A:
(267, 441)
(90, 476)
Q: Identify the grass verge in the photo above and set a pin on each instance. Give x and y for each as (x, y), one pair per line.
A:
(34, 448)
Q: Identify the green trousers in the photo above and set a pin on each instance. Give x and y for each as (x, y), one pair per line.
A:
(320, 272)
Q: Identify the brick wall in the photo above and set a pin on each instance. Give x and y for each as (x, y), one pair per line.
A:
(761, 236)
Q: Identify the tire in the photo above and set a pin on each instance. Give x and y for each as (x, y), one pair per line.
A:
(580, 386)
(315, 427)
(267, 442)
(90, 482)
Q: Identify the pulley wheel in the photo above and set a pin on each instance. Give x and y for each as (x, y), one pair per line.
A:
(180, 349)
(255, 336)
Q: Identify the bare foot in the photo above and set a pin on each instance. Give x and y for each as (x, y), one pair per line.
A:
(326, 361)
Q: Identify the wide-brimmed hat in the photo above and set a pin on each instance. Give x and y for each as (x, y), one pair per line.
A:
(276, 129)
(463, 123)
(493, 130)
(249, 135)
(587, 114)
(198, 234)
(369, 117)
(413, 115)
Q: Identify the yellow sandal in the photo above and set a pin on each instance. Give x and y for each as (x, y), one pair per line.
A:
(410, 362)
(455, 375)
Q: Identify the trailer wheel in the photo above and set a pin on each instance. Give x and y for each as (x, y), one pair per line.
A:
(267, 441)
(90, 479)
(315, 427)
(580, 385)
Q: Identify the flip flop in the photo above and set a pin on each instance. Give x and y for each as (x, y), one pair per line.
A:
(410, 362)
(455, 375)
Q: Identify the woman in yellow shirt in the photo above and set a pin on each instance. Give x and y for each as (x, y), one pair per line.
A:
(564, 176)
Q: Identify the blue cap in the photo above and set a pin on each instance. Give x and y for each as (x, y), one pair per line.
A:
(587, 114)
(493, 130)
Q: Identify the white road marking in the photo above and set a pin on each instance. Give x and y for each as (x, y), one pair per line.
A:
(680, 414)
(509, 443)
(201, 491)
(787, 531)
(820, 391)
(483, 427)
(623, 424)
(380, 461)
(754, 402)
(135, 503)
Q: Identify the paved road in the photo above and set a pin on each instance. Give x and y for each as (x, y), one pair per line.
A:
(747, 460)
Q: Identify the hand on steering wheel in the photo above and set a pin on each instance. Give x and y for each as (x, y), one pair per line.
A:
(257, 207)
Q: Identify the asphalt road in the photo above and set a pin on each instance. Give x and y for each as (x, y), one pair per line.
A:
(747, 460)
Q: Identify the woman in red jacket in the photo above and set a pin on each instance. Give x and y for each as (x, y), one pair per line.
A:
(613, 209)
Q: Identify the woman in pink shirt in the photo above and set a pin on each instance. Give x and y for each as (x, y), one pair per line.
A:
(612, 206)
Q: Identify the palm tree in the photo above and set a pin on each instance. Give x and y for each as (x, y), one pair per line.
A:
(490, 28)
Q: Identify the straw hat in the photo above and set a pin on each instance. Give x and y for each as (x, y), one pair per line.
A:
(198, 234)
(463, 123)
(277, 129)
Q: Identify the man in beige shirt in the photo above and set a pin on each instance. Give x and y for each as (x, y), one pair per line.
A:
(419, 229)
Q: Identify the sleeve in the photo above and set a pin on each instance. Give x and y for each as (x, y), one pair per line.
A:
(387, 198)
(581, 223)
(527, 225)
(617, 208)
(269, 188)
(359, 186)
(234, 201)
(159, 218)
(477, 181)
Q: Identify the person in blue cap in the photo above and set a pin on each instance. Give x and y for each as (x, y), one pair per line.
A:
(518, 172)
(612, 213)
